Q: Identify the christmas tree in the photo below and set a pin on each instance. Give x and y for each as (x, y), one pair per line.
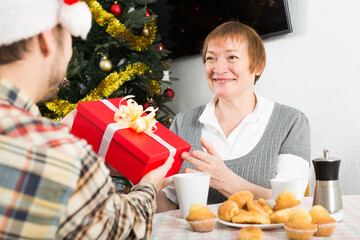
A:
(122, 55)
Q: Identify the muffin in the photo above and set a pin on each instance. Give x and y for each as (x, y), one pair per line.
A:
(251, 232)
(200, 218)
(300, 226)
(325, 224)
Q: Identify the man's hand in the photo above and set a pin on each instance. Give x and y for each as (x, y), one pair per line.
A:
(157, 176)
(69, 119)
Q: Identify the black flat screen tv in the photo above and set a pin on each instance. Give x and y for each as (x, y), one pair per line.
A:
(184, 24)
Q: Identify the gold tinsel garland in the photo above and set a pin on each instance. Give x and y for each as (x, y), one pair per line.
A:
(155, 86)
(106, 87)
(116, 29)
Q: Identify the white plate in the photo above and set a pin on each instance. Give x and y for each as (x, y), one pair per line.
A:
(262, 226)
(271, 202)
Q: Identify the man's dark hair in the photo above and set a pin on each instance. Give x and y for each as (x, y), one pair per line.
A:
(14, 52)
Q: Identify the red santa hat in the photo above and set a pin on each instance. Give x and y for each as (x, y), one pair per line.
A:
(22, 19)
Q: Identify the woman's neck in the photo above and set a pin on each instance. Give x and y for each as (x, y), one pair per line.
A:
(230, 112)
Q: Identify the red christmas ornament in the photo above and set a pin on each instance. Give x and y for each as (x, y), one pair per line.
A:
(169, 93)
(116, 9)
(161, 47)
(147, 14)
(149, 103)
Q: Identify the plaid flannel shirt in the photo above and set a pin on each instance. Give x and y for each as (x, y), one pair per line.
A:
(52, 185)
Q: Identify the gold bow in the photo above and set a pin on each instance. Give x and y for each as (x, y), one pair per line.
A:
(130, 116)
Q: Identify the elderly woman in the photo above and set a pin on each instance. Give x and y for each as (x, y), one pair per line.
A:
(240, 138)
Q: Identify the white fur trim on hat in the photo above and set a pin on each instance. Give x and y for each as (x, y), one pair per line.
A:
(76, 18)
(23, 19)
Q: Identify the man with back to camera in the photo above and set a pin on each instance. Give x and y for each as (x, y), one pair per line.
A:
(52, 185)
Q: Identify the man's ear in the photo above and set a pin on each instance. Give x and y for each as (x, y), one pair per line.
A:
(44, 39)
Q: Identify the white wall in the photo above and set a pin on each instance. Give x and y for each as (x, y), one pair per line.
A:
(314, 69)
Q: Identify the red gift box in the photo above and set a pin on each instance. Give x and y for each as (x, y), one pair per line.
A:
(132, 154)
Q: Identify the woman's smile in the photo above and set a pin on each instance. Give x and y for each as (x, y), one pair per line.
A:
(222, 81)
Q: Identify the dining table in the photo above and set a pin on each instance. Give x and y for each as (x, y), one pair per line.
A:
(169, 225)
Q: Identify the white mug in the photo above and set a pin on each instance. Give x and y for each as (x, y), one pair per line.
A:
(191, 188)
(294, 185)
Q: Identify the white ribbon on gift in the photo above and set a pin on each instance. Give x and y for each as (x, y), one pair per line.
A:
(113, 127)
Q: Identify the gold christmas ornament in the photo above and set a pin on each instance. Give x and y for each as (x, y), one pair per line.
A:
(169, 120)
(105, 65)
(146, 31)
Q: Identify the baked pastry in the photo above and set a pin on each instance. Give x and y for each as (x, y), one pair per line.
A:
(281, 216)
(300, 226)
(286, 199)
(251, 205)
(265, 205)
(251, 233)
(241, 198)
(321, 217)
(200, 218)
(199, 212)
(255, 217)
(227, 210)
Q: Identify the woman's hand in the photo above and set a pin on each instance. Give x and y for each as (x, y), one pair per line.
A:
(210, 163)
(222, 178)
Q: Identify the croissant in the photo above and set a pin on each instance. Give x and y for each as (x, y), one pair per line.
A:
(286, 199)
(251, 217)
(251, 233)
(227, 210)
(281, 216)
(241, 198)
(251, 205)
(265, 205)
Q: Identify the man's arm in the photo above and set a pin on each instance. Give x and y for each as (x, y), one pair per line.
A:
(97, 211)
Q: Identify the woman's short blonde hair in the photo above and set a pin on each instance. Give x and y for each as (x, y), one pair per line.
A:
(237, 31)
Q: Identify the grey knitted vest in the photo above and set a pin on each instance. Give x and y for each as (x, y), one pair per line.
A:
(287, 132)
